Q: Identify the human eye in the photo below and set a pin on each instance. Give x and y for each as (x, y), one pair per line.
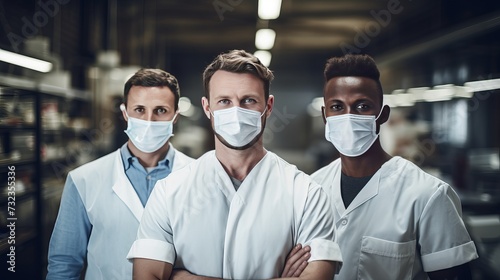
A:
(161, 111)
(224, 101)
(249, 100)
(336, 107)
(139, 110)
(363, 107)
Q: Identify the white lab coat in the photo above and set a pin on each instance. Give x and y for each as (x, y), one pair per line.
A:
(402, 223)
(114, 210)
(196, 220)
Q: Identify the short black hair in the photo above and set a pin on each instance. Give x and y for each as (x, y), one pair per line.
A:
(148, 77)
(355, 65)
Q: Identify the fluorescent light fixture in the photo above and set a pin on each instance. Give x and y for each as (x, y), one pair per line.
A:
(418, 93)
(269, 9)
(25, 61)
(464, 92)
(264, 39)
(398, 98)
(405, 100)
(389, 100)
(439, 93)
(264, 57)
(483, 85)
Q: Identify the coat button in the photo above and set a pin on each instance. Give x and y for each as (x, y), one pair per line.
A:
(344, 222)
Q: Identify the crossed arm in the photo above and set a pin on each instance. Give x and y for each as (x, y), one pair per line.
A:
(145, 269)
(296, 267)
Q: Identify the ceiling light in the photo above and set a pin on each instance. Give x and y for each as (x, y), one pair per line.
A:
(399, 98)
(264, 39)
(25, 61)
(484, 85)
(418, 93)
(439, 93)
(464, 92)
(264, 57)
(269, 9)
(185, 107)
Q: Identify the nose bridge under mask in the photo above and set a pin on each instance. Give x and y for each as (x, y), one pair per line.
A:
(238, 126)
(148, 136)
(352, 134)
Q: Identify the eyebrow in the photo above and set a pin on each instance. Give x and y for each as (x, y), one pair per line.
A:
(365, 100)
(254, 95)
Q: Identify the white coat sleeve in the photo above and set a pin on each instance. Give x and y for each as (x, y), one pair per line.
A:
(154, 237)
(316, 227)
(444, 240)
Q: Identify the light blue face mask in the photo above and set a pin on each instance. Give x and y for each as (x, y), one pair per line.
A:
(148, 136)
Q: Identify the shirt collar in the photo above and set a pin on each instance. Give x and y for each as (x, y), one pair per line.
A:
(128, 158)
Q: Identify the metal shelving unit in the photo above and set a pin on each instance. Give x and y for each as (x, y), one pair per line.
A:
(37, 133)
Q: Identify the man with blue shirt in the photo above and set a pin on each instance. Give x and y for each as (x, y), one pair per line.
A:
(103, 201)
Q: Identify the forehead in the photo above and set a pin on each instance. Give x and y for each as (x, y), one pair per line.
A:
(150, 95)
(350, 86)
(229, 84)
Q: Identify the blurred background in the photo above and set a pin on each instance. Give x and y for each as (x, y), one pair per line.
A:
(439, 62)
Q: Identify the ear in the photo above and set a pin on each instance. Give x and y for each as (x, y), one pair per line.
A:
(205, 106)
(270, 105)
(124, 111)
(384, 117)
(323, 114)
(176, 117)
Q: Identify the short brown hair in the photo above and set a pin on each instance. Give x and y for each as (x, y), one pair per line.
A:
(238, 61)
(147, 77)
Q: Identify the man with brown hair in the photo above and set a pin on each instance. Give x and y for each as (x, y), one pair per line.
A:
(103, 201)
(237, 211)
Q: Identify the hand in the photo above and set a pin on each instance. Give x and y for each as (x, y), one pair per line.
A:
(296, 261)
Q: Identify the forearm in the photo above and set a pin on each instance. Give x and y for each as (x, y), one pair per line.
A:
(185, 275)
(316, 270)
(68, 243)
(148, 269)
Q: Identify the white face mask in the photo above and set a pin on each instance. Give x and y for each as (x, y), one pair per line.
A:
(352, 135)
(237, 126)
(148, 136)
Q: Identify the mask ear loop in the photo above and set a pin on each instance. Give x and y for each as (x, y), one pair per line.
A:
(211, 112)
(175, 116)
(265, 110)
(380, 113)
(123, 109)
(375, 122)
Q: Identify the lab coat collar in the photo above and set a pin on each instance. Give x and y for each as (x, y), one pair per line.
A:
(224, 182)
(226, 186)
(124, 189)
(369, 191)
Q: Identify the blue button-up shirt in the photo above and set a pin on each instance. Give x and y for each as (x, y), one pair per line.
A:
(142, 180)
(68, 244)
